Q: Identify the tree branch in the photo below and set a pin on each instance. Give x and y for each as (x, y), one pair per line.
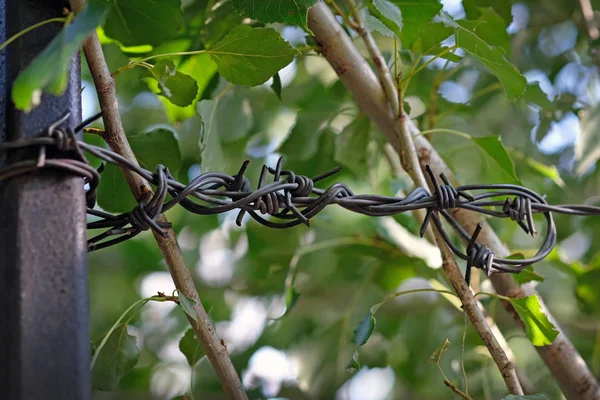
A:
(117, 141)
(567, 366)
(410, 163)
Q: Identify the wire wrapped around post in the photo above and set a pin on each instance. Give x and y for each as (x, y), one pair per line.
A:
(291, 199)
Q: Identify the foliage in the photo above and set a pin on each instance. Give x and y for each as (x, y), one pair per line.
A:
(222, 82)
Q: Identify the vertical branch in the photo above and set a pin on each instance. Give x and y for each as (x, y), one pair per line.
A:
(563, 360)
(117, 141)
(410, 163)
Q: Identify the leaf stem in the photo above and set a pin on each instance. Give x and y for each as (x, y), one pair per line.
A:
(444, 130)
(141, 61)
(139, 303)
(32, 27)
(407, 79)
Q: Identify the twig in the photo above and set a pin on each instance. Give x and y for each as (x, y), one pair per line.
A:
(410, 163)
(588, 18)
(457, 390)
(116, 139)
(567, 366)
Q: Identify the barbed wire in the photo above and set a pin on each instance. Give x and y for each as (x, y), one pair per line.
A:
(288, 199)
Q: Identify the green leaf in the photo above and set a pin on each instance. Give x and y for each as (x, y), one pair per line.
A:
(250, 56)
(209, 142)
(157, 146)
(114, 194)
(467, 37)
(528, 275)
(498, 157)
(539, 329)
(137, 22)
(493, 31)
(276, 85)
(502, 8)
(351, 145)
(526, 397)
(439, 352)
(191, 348)
(187, 305)
(49, 71)
(415, 15)
(119, 355)
(363, 331)
(587, 291)
(431, 36)
(361, 335)
(179, 88)
(292, 12)
(534, 94)
(587, 147)
(373, 23)
(391, 12)
(219, 126)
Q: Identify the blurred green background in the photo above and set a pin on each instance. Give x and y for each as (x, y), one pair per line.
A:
(344, 262)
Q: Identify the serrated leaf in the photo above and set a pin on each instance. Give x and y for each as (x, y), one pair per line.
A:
(539, 329)
(351, 145)
(179, 88)
(431, 37)
(114, 194)
(391, 12)
(493, 30)
(157, 146)
(373, 23)
(276, 85)
(587, 147)
(191, 348)
(526, 397)
(292, 12)
(49, 71)
(492, 57)
(415, 15)
(119, 355)
(497, 154)
(439, 352)
(363, 331)
(187, 305)
(250, 56)
(137, 22)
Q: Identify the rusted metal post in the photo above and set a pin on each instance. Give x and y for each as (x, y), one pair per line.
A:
(44, 322)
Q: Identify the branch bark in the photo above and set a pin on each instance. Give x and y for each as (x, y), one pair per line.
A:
(114, 135)
(565, 363)
(410, 163)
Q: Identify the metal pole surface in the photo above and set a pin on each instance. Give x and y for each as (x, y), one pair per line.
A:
(44, 317)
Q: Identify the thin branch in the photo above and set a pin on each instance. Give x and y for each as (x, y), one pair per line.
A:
(116, 139)
(565, 363)
(410, 163)
(588, 18)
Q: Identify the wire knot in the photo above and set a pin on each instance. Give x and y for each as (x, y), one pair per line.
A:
(145, 215)
(519, 210)
(447, 196)
(305, 186)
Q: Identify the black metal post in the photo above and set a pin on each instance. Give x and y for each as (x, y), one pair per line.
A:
(44, 327)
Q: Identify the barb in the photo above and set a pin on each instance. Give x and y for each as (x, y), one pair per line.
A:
(290, 199)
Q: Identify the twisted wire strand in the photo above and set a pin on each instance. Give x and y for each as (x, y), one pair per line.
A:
(290, 199)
